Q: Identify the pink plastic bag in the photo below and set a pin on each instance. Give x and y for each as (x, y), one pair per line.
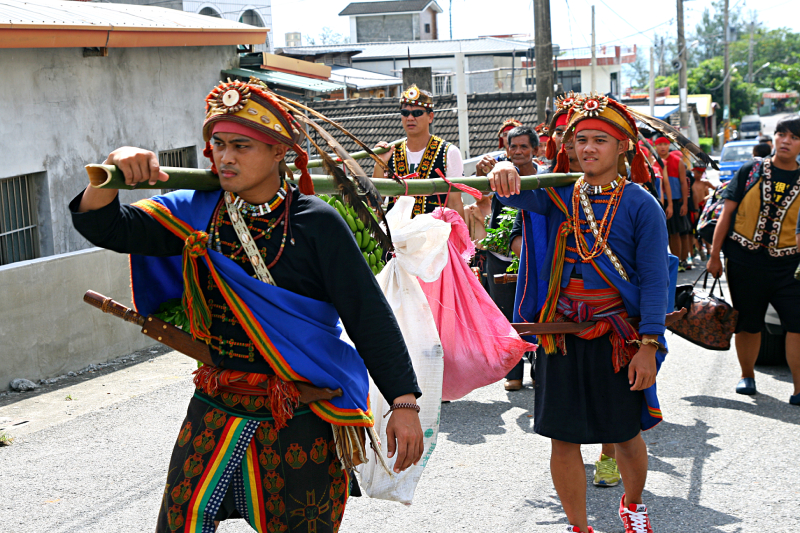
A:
(480, 345)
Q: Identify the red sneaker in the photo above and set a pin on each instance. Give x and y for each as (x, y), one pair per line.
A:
(634, 517)
(576, 529)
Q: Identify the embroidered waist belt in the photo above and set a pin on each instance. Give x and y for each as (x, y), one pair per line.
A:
(606, 308)
(282, 397)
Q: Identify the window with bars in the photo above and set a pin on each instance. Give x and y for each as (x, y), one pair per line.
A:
(179, 157)
(19, 232)
(443, 84)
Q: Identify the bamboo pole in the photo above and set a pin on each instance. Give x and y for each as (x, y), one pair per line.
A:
(355, 155)
(109, 177)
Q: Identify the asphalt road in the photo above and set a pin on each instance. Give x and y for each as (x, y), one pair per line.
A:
(720, 462)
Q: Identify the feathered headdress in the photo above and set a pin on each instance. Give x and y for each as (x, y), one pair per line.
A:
(607, 115)
(253, 105)
(509, 123)
(563, 105)
(689, 149)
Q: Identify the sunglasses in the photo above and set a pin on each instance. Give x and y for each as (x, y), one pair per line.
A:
(415, 113)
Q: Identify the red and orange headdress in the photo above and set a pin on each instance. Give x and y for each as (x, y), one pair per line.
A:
(596, 112)
(508, 124)
(541, 131)
(252, 110)
(563, 104)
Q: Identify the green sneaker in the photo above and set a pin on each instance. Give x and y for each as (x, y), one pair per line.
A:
(606, 473)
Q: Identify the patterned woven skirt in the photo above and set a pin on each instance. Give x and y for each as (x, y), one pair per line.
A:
(231, 462)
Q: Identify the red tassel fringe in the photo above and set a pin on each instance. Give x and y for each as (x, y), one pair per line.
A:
(550, 152)
(209, 153)
(282, 396)
(306, 186)
(639, 171)
(562, 161)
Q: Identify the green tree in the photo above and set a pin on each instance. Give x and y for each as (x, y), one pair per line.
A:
(710, 33)
(708, 78)
(638, 72)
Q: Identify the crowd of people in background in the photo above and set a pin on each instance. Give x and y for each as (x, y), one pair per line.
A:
(755, 233)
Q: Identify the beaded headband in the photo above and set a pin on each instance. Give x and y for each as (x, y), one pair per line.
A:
(416, 96)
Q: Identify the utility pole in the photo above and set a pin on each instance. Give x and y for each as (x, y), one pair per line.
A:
(682, 89)
(461, 104)
(543, 50)
(451, 20)
(661, 59)
(652, 82)
(750, 56)
(594, 55)
(726, 91)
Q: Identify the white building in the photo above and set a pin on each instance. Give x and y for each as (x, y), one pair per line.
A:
(97, 76)
(82, 79)
(492, 64)
(393, 20)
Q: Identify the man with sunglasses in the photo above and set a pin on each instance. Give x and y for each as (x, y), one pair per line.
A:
(423, 153)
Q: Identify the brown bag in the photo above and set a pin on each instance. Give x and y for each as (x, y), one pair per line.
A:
(710, 320)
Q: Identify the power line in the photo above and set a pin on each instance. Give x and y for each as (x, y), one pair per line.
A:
(629, 24)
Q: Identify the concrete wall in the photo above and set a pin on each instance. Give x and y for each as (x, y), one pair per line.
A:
(380, 28)
(478, 83)
(72, 110)
(45, 327)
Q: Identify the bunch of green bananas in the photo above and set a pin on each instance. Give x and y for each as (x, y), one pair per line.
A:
(373, 254)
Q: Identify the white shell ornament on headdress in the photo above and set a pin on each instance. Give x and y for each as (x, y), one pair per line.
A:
(412, 93)
(592, 106)
(230, 97)
(566, 101)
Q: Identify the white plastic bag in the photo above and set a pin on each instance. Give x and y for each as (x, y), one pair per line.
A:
(420, 251)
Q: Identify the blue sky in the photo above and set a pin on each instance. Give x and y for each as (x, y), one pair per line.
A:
(571, 20)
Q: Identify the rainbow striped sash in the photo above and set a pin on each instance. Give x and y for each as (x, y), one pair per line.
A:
(298, 337)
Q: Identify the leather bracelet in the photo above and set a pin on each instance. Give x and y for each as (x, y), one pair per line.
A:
(402, 406)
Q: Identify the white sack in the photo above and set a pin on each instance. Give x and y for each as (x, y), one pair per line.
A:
(420, 251)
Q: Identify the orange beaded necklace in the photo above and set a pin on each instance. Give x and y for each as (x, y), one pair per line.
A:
(580, 200)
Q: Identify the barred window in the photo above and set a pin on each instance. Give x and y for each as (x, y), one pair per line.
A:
(19, 232)
(179, 157)
(443, 84)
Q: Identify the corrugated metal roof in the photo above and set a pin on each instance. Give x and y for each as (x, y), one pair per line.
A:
(57, 13)
(482, 45)
(66, 24)
(362, 79)
(391, 6)
(286, 80)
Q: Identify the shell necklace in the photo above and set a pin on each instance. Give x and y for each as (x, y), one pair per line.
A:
(580, 199)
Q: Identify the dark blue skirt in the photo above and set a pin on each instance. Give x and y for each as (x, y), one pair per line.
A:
(580, 399)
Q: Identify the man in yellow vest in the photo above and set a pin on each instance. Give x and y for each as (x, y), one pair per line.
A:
(756, 231)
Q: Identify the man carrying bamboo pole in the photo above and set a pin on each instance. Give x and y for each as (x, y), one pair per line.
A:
(423, 154)
(607, 252)
(520, 143)
(265, 272)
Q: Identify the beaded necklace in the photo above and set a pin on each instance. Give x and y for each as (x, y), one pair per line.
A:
(601, 231)
(598, 189)
(283, 220)
(265, 208)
